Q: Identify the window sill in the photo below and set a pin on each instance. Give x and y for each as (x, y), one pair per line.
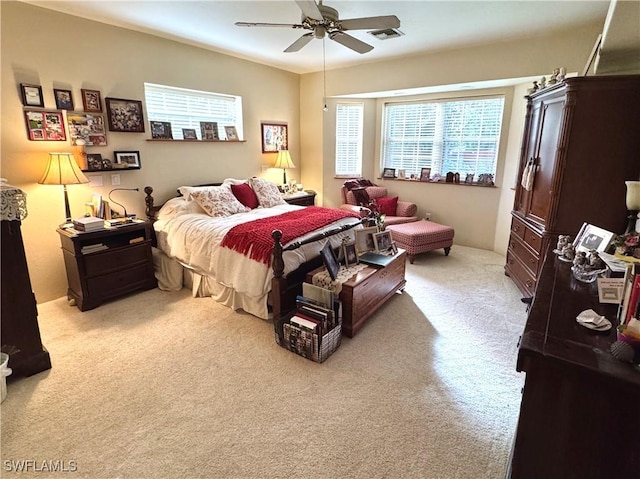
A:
(440, 182)
(197, 141)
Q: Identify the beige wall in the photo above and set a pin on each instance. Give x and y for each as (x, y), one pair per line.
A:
(61, 51)
(479, 215)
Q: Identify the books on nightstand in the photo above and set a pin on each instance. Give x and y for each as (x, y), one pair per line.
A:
(88, 223)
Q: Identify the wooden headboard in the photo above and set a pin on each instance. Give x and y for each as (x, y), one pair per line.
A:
(151, 210)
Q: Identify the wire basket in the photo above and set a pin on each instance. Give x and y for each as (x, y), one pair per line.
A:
(305, 343)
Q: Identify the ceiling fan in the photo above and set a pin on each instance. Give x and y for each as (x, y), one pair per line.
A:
(324, 21)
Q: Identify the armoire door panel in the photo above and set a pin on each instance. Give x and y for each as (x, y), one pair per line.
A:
(545, 160)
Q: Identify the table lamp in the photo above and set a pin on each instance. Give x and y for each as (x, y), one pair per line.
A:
(283, 160)
(62, 169)
(633, 204)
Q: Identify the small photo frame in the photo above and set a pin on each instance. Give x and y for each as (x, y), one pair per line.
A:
(275, 137)
(389, 173)
(64, 99)
(161, 130)
(232, 133)
(209, 131)
(364, 239)
(94, 162)
(591, 237)
(31, 95)
(91, 101)
(425, 174)
(330, 261)
(130, 159)
(189, 134)
(125, 115)
(382, 241)
(402, 174)
(350, 254)
(45, 126)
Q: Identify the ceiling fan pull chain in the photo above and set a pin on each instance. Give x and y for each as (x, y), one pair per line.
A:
(324, 76)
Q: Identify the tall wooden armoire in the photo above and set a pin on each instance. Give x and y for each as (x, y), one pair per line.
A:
(20, 333)
(582, 142)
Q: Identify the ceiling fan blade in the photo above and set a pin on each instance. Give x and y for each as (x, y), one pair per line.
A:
(299, 43)
(350, 42)
(310, 9)
(387, 21)
(259, 24)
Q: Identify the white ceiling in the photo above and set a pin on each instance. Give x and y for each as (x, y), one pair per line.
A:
(427, 25)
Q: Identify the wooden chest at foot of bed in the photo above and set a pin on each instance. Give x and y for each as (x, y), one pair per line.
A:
(366, 291)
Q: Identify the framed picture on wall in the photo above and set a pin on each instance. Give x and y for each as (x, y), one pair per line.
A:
(64, 100)
(31, 95)
(125, 115)
(45, 126)
(91, 101)
(87, 127)
(275, 137)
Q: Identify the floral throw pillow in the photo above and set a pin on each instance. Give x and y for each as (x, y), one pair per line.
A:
(268, 193)
(218, 201)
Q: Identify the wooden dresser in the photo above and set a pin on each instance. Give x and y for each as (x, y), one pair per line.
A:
(581, 140)
(579, 412)
(366, 291)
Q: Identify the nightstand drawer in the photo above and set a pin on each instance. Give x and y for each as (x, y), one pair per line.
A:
(113, 260)
(114, 284)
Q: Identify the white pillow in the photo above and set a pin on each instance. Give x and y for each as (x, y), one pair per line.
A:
(268, 193)
(218, 201)
(233, 181)
(187, 190)
(172, 208)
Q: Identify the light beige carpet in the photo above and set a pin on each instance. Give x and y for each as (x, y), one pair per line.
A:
(162, 385)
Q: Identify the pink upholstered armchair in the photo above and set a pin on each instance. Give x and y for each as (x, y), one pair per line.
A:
(356, 197)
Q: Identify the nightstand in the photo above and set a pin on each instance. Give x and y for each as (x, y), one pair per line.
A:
(104, 264)
(308, 198)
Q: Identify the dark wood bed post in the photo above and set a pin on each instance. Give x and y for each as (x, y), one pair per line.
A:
(278, 283)
(151, 211)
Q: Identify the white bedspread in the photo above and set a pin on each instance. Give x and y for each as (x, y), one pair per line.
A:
(194, 239)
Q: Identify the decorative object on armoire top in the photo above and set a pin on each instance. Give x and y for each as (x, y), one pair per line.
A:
(633, 205)
(62, 169)
(283, 161)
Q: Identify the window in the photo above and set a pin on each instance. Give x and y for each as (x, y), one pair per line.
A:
(459, 136)
(185, 108)
(349, 121)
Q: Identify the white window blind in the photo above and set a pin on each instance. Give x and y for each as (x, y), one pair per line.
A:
(185, 108)
(349, 121)
(459, 136)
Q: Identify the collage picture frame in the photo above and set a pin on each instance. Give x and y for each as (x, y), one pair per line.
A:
(275, 137)
(45, 125)
(125, 116)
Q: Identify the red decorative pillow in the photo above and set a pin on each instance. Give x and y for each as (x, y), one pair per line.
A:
(387, 205)
(245, 195)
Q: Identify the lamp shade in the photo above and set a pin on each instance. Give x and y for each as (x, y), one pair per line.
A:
(62, 169)
(633, 195)
(283, 160)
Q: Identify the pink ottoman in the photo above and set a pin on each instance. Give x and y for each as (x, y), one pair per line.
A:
(422, 236)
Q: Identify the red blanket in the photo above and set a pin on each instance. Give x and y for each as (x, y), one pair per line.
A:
(254, 239)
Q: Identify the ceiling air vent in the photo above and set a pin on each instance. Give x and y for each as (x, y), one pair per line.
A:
(386, 33)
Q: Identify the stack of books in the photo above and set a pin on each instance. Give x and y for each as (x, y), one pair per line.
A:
(88, 223)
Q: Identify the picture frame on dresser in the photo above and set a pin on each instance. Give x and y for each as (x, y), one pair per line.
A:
(382, 241)
(330, 260)
(592, 237)
(350, 254)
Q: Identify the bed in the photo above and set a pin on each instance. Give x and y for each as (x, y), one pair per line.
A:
(240, 243)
